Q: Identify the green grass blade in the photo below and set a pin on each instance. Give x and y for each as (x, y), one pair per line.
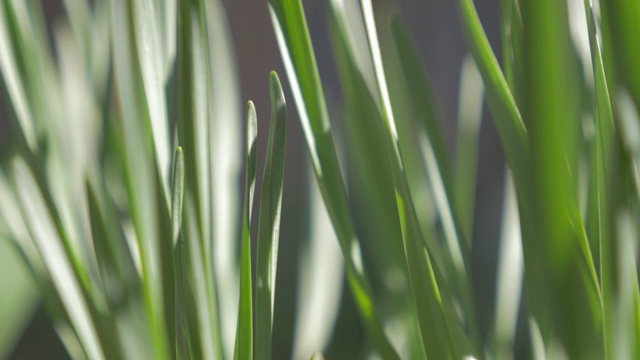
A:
(194, 131)
(13, 82)
(506, 114)
(43, 232)
(621, 20)
(244, 334)
(552, 108)
(177, 194)
(599, 237)
(292, 34)
(146, 27)
(140, 174)
(435, 335)
(470, 104)
(269, 221)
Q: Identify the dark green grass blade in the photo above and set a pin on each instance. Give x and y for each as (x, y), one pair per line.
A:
(244, 332)
(269, 221)
(177, 199)
(295, 46)
(552, 108)
(435, 334)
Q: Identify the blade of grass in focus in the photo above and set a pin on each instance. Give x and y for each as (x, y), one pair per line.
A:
(244, 331)
(295, 46)
(269, 221)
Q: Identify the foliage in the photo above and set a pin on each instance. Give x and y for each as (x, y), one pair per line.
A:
(120, 195)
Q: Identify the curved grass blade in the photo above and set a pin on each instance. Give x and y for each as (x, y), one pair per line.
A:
(269, 221)
(244, 334)
(292, 35)
(506, 114)
(13, 82)
(436, 338)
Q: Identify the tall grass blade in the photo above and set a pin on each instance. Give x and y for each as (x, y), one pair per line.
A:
(506, 114)
(244, 332)
(269, 221)
(146, 26)
(292, 34)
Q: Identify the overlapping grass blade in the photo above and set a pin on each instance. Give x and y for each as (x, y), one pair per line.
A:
(294, 42)
(148, 41)
(435, 335)
(194, 115)
(506, 114)
(437, 165)
(43, 232)
(140, 173)
(244, 332)
(552, 109)
(269, 221)
(9, 65)
(599, 235)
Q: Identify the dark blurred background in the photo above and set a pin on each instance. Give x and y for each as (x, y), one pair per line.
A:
(435, 26)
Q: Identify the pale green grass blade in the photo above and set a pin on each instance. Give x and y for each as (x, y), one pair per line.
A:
(320, 282)
(470, 104)
(292, 35)
(20, 297)
(500, 99)
(269, 221)
(435, 335)
(225, 143)
(140, 170)
(146, 27)
(80, 20)
(43, 232)
(194, 132)
(509, 278)
(244, 334)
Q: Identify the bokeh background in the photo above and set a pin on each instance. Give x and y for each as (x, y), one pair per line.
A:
(435, 26)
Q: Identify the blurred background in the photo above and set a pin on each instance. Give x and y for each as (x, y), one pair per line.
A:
(435, 26)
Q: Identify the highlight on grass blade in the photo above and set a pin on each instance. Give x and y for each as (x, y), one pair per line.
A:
(269, 221)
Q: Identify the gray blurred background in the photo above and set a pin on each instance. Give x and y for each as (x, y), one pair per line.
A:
(435, 26)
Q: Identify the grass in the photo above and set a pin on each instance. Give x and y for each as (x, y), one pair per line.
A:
(120, 196)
